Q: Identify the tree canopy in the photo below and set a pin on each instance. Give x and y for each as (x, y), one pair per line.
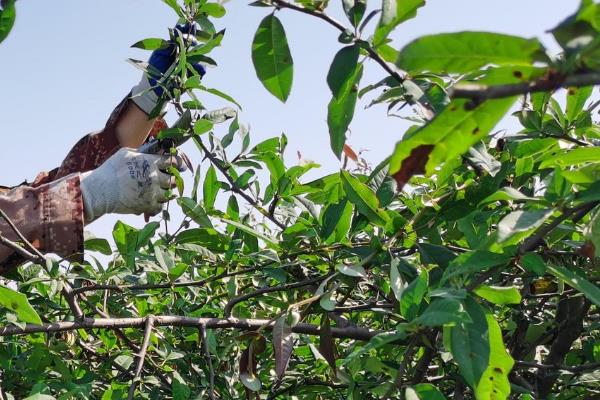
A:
(462, 266)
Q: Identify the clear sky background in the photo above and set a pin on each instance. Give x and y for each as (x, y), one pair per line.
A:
(63, 69)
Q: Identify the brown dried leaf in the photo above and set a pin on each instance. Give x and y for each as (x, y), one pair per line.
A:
(413, 164)
(326, 343)
(248, 369)
(351, 154)
(283, 345)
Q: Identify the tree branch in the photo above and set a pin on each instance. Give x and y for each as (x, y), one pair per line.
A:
(480, 93)
(216, 162)
(558, 367)
(355, 333)
(149, 321)
(333, 22)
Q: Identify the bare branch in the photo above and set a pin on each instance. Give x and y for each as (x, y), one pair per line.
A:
(355, 333)
(149, 320)
(480, 93)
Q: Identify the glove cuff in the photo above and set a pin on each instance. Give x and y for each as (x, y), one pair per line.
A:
(86, 194)
(145, 98)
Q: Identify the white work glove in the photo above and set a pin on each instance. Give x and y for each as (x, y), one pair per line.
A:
(128, 182)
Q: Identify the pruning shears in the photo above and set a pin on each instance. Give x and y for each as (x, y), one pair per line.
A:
(164, 145)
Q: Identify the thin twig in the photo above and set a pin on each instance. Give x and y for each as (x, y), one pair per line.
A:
(229, 306)
(149, 322)
(22, 237)
(406, 358)
(217, 163)
(333, 22)
(558, 367)
(211, 371)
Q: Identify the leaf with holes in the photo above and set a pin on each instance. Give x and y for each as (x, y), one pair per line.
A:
(18, 303)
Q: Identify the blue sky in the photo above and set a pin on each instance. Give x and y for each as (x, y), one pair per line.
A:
(63, 69)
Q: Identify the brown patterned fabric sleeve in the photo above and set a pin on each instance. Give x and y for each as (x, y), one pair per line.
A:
(49, 211)
(50, 216)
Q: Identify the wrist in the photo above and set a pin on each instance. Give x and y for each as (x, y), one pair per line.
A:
(144, 96)
(86, 195)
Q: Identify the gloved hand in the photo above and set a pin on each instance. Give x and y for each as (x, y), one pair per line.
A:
(128, 182)
(147, 93)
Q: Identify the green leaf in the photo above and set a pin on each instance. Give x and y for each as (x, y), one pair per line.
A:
(450, 134)
(465, 52)
(210, 188)
(194, 211)
(470, 344)
(377, 341)
(494, 382)
(337, 218)
(202, 126)
(151, 44)
(194, 83)
(441, 312)
(165, 259)
(426, 391)
(413, 295)
(181, 390)
(533, 263)
(173, 4)
(471, 262)
(272, 59)
(354, 10)
(250, 231)
(364, 198)
(521, 221)
(213, 9)
(576, 156)
(7, 18)
(576, 98)
(396, 282)
(499, 295)
(126, 239)
(343, 78)
(18, 303)
(506, 194)
(355, 270)
(178, 179)
(99, 245)
(343, 70)
(393, 13)
(574, 278)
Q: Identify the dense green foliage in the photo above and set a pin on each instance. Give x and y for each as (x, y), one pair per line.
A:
(463, 266)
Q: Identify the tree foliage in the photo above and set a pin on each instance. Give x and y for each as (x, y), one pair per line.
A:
(464, 265)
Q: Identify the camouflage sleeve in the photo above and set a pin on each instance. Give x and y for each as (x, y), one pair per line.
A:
(49, 211)
(50, 216)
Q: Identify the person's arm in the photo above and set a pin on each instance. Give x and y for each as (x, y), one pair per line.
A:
(50, 216)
